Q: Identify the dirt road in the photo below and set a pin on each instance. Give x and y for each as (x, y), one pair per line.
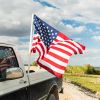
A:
(72, 92)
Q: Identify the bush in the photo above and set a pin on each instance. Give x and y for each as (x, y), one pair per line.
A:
(75, 70)
(86, 69)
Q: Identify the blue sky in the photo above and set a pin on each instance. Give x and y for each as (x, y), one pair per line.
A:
(78, 19)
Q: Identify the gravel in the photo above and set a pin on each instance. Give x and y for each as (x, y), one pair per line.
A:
(73, 92)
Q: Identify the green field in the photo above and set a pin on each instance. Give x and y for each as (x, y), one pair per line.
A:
(89, 82)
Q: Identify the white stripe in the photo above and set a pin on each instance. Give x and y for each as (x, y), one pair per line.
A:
(51, 67)
(34, 41)
(55, 60)
(59, 53)
(41, 50)
(65, 48)
(66, 43)
(45, 49)
(77, 45)
(59, 38)
(76, 49)
(33, 47)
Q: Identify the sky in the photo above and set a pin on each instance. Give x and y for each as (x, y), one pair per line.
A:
(78, 19)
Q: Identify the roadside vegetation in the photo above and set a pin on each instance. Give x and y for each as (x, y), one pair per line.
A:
(85, 76)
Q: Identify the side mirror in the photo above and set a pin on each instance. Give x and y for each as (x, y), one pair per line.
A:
(14, 73)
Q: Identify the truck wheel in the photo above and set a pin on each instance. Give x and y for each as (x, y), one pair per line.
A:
(54, 95)
(51, 97)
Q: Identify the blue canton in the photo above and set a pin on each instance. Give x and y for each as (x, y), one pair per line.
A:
(46, 32)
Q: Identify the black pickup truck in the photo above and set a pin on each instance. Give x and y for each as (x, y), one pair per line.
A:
(18, 84)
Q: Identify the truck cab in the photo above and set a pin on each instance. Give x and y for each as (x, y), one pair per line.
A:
(20, 84)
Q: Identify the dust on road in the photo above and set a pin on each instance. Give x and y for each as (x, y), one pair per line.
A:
(72, 92)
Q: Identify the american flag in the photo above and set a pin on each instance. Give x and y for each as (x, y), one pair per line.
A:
(54, 47)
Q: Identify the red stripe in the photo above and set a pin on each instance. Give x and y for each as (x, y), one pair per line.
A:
(83, 47)
(80, 51)
(53, 63)
(59, 75)
(56, 40)
(63, 36)
(33, 50)
(35, 38)
(62, 50)
(34, 44)
(39, 53)
(43, 50)
(58, 57)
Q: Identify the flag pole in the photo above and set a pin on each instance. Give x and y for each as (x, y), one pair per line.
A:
(31, 34)
(30, 43)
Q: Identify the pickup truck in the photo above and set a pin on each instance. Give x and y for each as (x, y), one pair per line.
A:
(18, 84)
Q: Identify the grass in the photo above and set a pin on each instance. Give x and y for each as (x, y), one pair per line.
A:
(89, 82)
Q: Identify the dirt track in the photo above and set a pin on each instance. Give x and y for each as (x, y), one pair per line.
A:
(72, 92)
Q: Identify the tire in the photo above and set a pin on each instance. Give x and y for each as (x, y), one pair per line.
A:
(54, 95)
(62, 91)
(51, 97)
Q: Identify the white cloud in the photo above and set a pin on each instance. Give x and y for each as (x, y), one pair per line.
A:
(72, 29)
(96, 38)
(14, 15)
(77, 39)
(83, 10)
(90, 56)
(15, 41)
(8, 39)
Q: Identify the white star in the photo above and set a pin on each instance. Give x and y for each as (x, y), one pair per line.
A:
(42, 37)
(38, 20)
(48, 44)
(43, 24)
(53, 37)
(51, 30)
(50, 40)
(50, 37)
(39, 28)
(55, 33)
(52, 33)
(40, 31)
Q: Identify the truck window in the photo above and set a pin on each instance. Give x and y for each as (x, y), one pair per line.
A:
(7, 58)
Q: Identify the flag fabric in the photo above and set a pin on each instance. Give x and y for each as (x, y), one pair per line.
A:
(54, 47)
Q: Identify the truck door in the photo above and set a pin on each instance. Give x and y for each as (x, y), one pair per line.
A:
(13, 81)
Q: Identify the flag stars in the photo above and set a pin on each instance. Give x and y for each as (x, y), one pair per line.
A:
(53, 37)
(39, 21)
(38, 28)
(50, 40)
(56, 33)
(52, 33)
(51, 30)
(46, 32)
(35, 22)
(43, 24)
(49, 34)
(40, 31)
